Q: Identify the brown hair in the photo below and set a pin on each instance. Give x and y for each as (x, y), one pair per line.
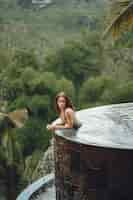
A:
(68, 101)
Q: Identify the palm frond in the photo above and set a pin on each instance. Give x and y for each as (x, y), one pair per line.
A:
(122, 12)
(18, 117)
(15, 119)
(31, 163)
(10, 149)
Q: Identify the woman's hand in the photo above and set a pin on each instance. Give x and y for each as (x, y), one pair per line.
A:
(51, 127)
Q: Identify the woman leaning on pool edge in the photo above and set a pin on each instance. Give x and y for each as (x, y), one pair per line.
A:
(67, 117)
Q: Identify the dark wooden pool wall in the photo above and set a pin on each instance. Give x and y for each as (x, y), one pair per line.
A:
(85, 172)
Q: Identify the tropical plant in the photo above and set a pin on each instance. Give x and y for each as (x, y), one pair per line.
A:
(121, 17)
(93, 88)
(31, 163)
(11, 161)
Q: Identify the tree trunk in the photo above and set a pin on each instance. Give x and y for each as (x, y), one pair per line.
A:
(11, 183)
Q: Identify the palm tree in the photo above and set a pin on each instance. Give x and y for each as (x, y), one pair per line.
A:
(121, 17)
(11, 160)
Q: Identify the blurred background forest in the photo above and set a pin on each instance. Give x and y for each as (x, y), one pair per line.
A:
(45, 48)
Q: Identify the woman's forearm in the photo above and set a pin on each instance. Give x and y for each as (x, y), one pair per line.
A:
(63, 126)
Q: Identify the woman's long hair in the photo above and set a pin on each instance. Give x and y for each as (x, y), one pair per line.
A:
(68, 101)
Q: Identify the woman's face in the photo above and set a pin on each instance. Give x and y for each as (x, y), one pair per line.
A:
(61, 103)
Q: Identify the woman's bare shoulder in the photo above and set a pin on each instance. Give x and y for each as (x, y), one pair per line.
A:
(69, 111)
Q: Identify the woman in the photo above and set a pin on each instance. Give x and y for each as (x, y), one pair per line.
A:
(67, 117)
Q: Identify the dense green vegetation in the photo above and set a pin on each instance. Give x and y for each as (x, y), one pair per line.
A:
(44, 51)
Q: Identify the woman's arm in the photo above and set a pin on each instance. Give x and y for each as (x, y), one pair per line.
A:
(69, 119)
(51, 126)
(69, 114)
